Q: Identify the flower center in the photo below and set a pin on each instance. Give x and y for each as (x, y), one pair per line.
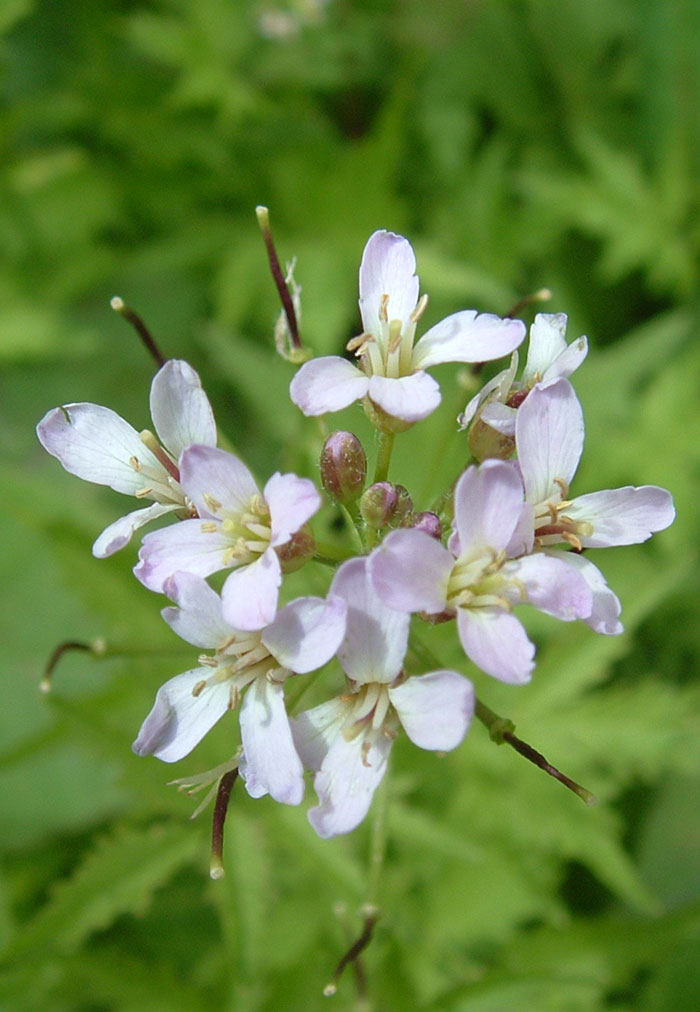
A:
(477, 582)
(249, 532)
(241, 659)
(370, 715)
(388, 352)
(553, 525)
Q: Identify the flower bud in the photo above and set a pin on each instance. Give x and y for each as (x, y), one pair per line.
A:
(298, 550)
(385, 504)
(343, 466)
(427, 522)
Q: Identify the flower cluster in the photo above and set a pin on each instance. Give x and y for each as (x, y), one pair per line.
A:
(516, 536)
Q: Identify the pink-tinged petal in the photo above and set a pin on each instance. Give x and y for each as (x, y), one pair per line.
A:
(466, 337)
(410, 572)
(547, 342)
(206, 470)
(623, 516)
(270, 763)
(488, 505)
(180, 409)
(97, 445)
(606, 607)
(551, 586)
(291, 501)
(179, 720)
(497, 643)
(435, 709)
(306, 633)
(315, 730)
(249, 596)
(182, 547)
(198, 618)
(327, 384)
(549, 439)
(346, 783)
(410, 398)
(120, 533)
(523, 536)
(388, 268)
(376, 636)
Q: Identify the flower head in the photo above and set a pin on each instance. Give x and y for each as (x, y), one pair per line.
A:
(303, 636)
(475, 578)
(347, 740)
(97, 445)
(236, 528)
(391, 372)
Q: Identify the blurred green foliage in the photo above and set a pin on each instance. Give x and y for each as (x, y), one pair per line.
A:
(518, 143)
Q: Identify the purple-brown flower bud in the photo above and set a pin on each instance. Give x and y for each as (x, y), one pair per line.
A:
(298, 550)
(428, 522)
(385, 504)
(343, 467)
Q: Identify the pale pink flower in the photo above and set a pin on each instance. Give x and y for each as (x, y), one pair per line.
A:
(97, 445)
(237, 527)
(391, 369)
(475, 578)
(303, 636)
(347, 740)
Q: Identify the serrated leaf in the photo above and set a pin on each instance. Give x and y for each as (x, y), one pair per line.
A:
(118, 876)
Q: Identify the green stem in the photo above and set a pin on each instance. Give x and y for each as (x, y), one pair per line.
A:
(332, 554)
(353, 525)
(386, 445)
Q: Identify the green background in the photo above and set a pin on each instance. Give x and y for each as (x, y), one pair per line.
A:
(518, 145)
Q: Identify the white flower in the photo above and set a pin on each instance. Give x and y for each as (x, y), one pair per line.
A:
(391, 369)
(348, 740)
(237, 528)
(97, 445)
(303, 636)
(476, 579)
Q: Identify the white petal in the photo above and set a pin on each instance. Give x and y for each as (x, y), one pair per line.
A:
(346, 783)
(183, 546)
(120, 533)
(315, 730)
(97, 445)
(547, 342)
(376, 636)
(206, 470)
(198, 618)
(488, 504)
(270, 762)
(549, 439)
(179, 720)
(249, 596)
(410, 398)
(466, 337)
(623, 516)
(551, 586)
(180, 409)
(327, 384)
(291, 501)
(410, 571)
(569, 360)
(497, 643)
(388, 268)
(500, 417)
(496, 389)
(435, 709)
(606, 606)
(306, 633)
